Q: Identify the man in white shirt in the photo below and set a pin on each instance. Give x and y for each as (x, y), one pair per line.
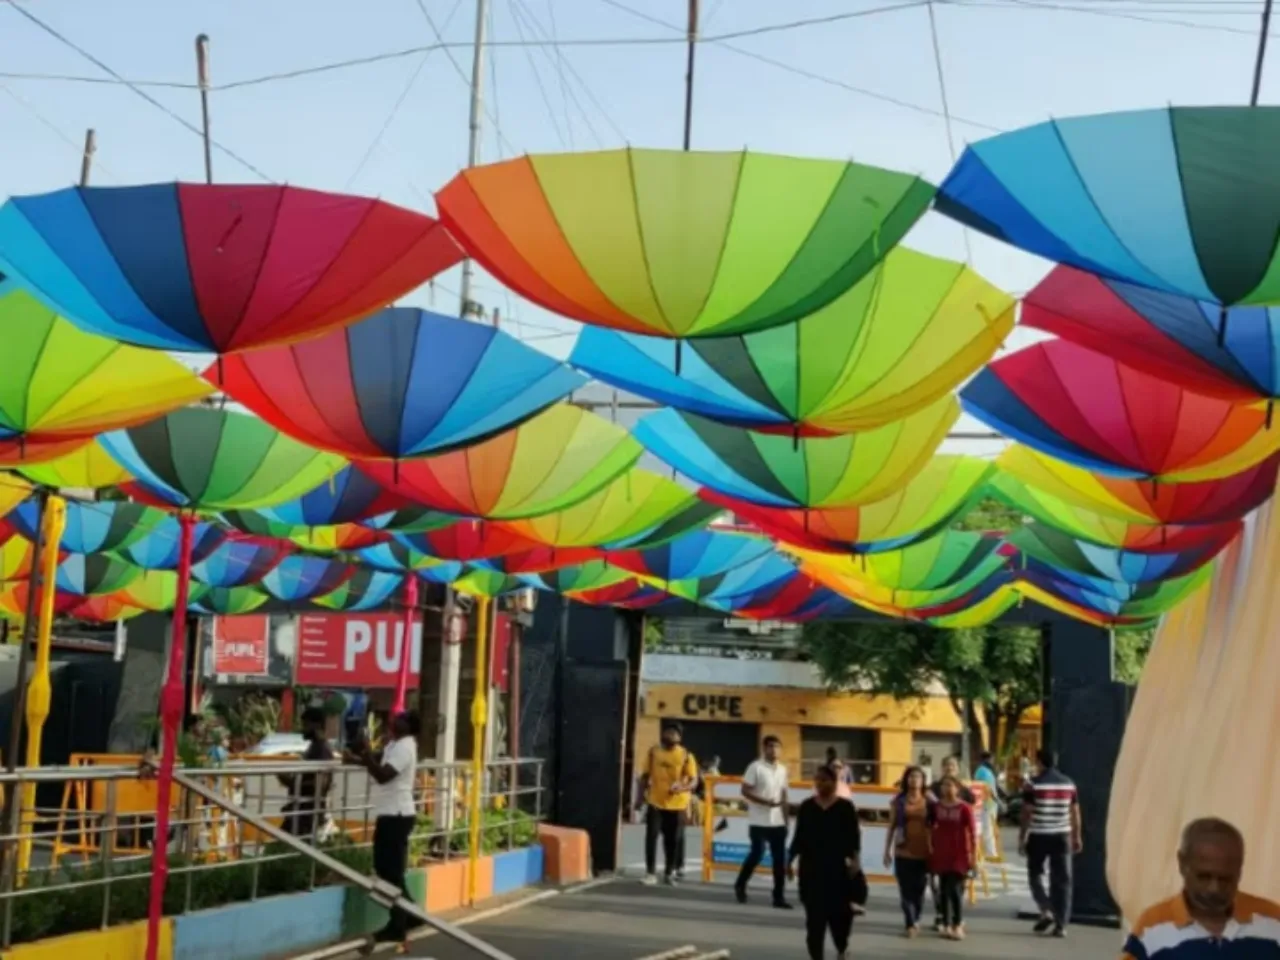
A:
(764, 786)
(394, 772)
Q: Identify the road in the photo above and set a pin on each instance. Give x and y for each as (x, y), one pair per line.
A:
(622, 920)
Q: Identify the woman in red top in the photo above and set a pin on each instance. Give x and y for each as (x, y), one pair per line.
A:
(953, 854)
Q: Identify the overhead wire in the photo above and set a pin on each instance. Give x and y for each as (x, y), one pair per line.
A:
(76, 145)
(946, 113)
(1111, 14)
(561, 73)
(138, 91)
(537, 80)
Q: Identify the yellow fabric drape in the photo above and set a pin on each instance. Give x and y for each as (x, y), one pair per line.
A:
(1201, 738)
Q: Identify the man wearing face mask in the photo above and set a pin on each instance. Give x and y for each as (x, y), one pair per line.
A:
(1210, 918)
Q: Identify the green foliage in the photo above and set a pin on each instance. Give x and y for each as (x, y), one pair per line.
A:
(1132, 645)
(991, 514)
(499, 830)
(653, 634)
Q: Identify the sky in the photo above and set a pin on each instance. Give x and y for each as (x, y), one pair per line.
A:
(861, 83)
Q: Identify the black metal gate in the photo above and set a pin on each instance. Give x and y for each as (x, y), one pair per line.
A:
(592, 737)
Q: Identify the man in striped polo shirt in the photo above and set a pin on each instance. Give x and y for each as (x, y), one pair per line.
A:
(1210, 918)
(1050, 835)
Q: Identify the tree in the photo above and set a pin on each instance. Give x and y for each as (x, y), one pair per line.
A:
(1132, 644)
(990, 673)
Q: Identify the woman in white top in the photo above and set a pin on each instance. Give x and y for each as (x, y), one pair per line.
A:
(394, 770)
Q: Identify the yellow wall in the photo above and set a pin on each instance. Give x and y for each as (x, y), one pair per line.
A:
(128, 942)
(895, 754)
(783, 706)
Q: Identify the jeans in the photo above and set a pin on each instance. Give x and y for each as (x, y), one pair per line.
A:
(669, 823)
(390, 861)
(951, 898)
(776, 837)
(824, 912)
(913, 880)
(1054, 849)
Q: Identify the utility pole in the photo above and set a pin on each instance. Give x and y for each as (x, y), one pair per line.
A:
(688, 76)
(473, 143)
(1262, 54)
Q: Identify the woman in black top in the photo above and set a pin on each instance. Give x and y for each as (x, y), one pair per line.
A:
(827, 842)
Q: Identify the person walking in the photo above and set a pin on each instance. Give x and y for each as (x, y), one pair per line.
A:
(989, 811)
(670, 775)
(394, 770)
(1210, 917)
(908, 844)
(828, 844)
(950, 768)
(844, 776)
(1050, 834)
(764, 787)
(953, 854)
(304, 814)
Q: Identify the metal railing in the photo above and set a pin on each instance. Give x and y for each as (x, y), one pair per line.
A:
(237, 833)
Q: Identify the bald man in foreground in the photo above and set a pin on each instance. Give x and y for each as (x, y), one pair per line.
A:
(1210, 919)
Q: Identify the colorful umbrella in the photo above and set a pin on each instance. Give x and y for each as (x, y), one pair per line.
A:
(17, 555)
(93, 527)
(680, 244)
(158, 549)
(216, 268)
(932, 500)
(400, 383)
(1141, 501)
(1085, 524)
(1180, 199)
(1084, 407)
(346, 497)
(325, 539)
(59, 386)
(229, 602)
(903, 337)
(954, 558)
(301, 578)
(1172, 337)
(478, 582)
(541, 559)
(238, 562)
(703, 553)
(627, 594)
(13, 491)
(468, 540)
(981, 613)
(410, 520)
(1061, 551)
(592, 575)
(366, 590)
(776, 471)
(396, 557)
(157, 590)
(208, 459)
(94, 573)
(740, 585)
(106, 608)
(89, 467)
(638, 504)
(558, 458)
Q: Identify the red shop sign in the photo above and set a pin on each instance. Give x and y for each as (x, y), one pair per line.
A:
(240, 644)
(354, 650)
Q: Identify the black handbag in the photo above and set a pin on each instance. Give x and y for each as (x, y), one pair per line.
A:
(858, 892)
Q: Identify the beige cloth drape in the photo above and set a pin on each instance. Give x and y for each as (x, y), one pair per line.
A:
(1203, 738)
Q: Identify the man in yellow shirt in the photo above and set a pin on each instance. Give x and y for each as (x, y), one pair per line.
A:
(670, 774)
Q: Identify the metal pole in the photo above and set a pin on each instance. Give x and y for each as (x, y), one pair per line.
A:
(479, 715)
(473, 143)
(202, 78)
(406, 642)
(24, 651)
(688, 77)
(86, 161)
(1262, 54)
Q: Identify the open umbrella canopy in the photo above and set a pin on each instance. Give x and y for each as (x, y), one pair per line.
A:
(207, 459)
(1229, 354)
(94, 527)
(410, 520)
(89, 467)
(1099, 528)
(235, 563)
(479, 582)
(628, 594)
(95, 573)
(1061, 551)
(346, 497)
(14, 491)
(904, 336)
(59, 386)
(952, 558)
(13, 604)
(1144, 501)
(158, 548)
(301, 578)
(1125, 602)
(323, 539)
(157, 590)
(366, 590)
(979, 613)
(103, 608)
(229, 601)
(592, 575)
(639, 503)
(778, 471)
(396, 557)
(1084, 407)
(932, 500)
(17, 555)
(739, 585)
(400, 383)
(216, 268)
(468, 540)
(1180, 199)
(561, 456)
(703, 553)
(541, 559)
(680, 244)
